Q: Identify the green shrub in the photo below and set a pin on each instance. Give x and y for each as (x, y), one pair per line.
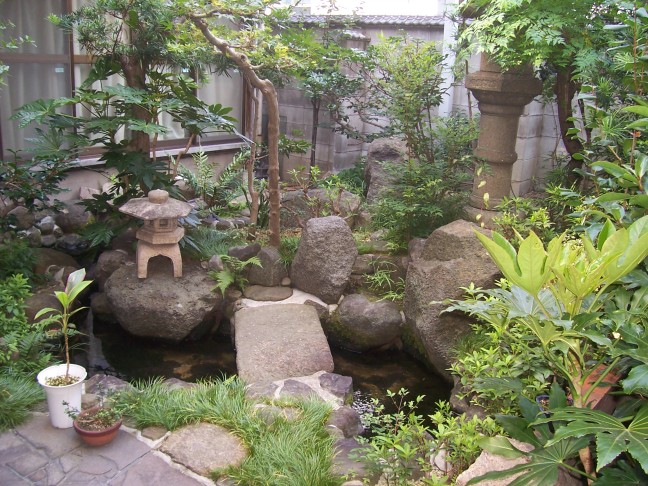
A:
(13, 292)
(22, 354)
(518, 215)
(422, 198)
(458, 436)
(16, 257)
(203, 242)
(499, 361)
(22, 345)
(215, 190)
(34, 181)
(352, 180)
(288, 247)
(233, 275)
(401, 445)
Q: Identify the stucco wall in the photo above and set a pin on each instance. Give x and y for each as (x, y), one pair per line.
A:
(94, 176)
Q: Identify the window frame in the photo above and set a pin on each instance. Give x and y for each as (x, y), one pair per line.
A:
(91, 155)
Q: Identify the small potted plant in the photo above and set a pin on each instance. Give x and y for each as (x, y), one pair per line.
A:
(64, 382)
(97, 425)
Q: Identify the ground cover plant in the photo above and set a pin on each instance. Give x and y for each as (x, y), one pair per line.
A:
(23, 352)
(292, 452)
(404, 447)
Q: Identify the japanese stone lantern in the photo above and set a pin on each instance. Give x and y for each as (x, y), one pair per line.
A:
(161, 233)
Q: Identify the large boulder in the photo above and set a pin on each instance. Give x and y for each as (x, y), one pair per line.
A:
(360, 325)
(107, 263)
(6, 205)
(272, 270)
(22, 217)
(244, 252)
(377, 178)
(41, 298)
(452, 258)
(161, 306)
(298, 208)
(47, 258)
(73, 218)
(324, 259)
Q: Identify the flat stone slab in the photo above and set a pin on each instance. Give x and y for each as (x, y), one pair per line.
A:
(152, 470)
(297, 297)
(336, 390)
(204, 447)
(280, 341)
(273, 294)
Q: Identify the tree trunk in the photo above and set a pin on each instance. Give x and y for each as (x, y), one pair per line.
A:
(270, 95)
(316, 109)
(253, 114)
(272, 103)
(565, 89)
(135, 76)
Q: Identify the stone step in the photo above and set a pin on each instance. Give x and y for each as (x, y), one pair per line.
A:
(280, 341)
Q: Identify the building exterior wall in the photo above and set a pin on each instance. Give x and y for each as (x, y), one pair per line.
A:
(536, 146)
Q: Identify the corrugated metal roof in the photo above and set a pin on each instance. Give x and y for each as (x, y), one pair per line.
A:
(419, 20)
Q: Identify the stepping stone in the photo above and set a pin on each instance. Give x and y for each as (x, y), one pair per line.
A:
(280, 341)
(273, 294)
(204, 447)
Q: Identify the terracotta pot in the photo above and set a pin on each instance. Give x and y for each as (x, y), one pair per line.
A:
(97, 437)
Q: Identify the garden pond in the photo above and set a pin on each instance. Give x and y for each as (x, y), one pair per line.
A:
(111, 350)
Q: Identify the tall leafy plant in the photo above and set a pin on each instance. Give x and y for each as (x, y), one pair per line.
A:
(563, 296)
(400, 86)
(76, 284)
(427, 193)
(132, 42)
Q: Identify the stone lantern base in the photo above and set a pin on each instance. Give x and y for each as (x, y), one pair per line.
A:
(146, 251)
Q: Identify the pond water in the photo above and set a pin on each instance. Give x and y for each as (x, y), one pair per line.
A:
(113, 351)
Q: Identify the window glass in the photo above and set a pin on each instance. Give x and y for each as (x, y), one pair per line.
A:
(46, 70)
(38, 71)
(228, 91)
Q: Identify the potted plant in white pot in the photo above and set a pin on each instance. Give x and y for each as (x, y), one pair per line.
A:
(63, 383)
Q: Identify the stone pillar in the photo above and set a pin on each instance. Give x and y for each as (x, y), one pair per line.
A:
(502, 97)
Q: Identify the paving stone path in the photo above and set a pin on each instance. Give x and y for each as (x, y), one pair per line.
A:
(36, 453)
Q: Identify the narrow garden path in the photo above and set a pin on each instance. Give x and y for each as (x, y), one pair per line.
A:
(36, 453)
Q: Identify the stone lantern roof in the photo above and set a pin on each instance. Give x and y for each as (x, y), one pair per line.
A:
(158, 205)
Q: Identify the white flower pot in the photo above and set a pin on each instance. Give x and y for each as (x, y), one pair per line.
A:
(56, 395)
